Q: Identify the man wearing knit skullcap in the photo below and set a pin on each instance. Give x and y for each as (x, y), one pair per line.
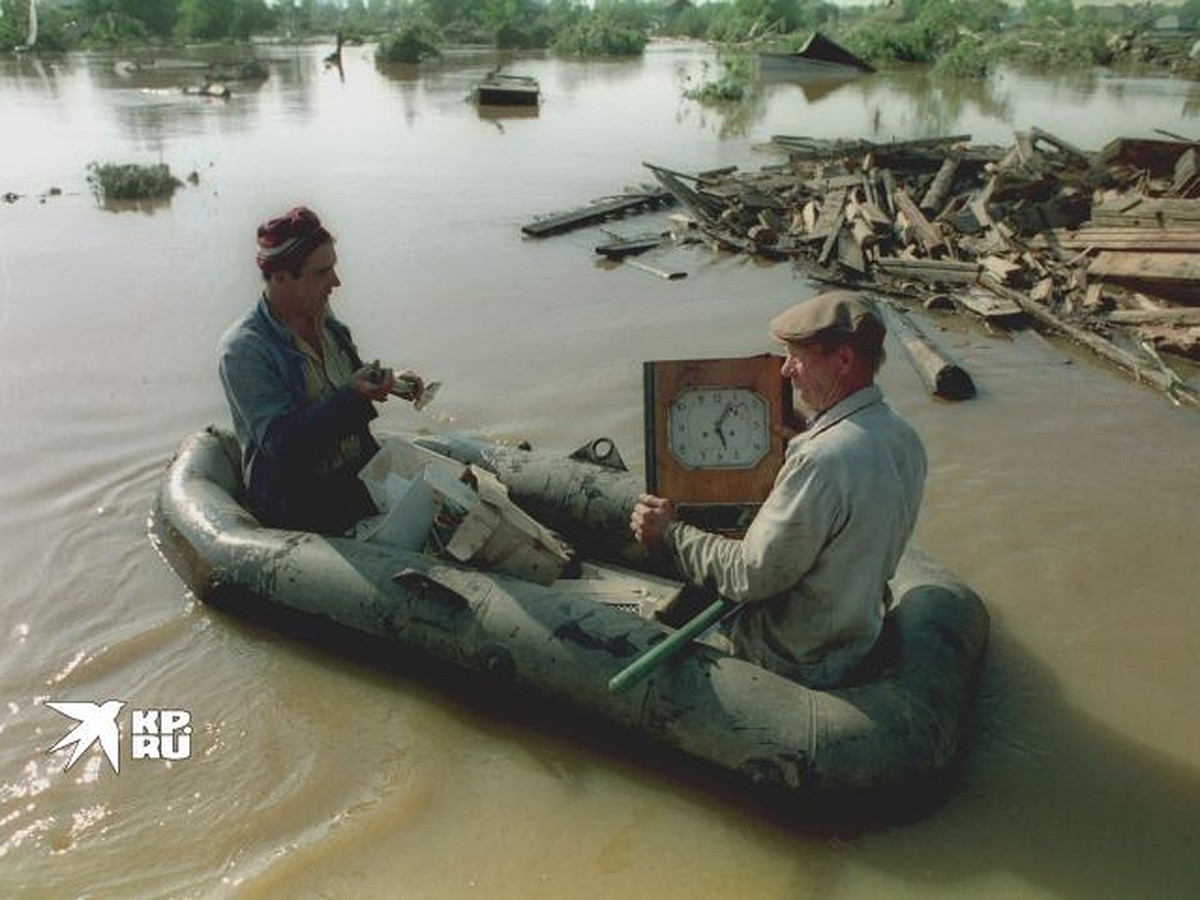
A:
(300, 396)
(809, 577)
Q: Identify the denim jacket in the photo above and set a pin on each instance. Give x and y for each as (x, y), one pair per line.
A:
(286, 441)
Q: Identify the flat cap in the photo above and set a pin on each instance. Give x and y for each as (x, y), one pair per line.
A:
(828, 314)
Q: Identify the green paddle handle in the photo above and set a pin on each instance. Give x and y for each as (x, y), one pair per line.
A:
(664, 650)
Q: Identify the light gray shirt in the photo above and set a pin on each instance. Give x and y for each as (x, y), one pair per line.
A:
(812, 568)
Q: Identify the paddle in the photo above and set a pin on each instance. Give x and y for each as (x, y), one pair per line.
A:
(664, 650)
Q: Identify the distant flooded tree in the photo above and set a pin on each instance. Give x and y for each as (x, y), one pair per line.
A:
(14, 23)
(1189, 15)
(612, 30)
(443, 12)
(159, 16)
(211, 20)
(411, 43)
(1057, 12)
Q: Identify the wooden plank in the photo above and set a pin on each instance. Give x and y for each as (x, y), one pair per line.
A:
(830, 215)
(929, 271)
(832, 240)
(1187, 171)
(598, 211)
(1004, 269)
(630, 246)
(850, 252)
(1148, 239)
(1114, 264)
(833, 183)
(1037, 135)
(988, 305)
(1103, 348)
(820, 148)
(1162, 212)
(929, 236)
(1172, 316)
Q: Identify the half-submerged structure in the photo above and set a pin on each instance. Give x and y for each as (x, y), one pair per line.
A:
(498, 89)
(818, 56)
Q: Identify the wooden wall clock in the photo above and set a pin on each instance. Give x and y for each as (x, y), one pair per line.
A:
(716, 429)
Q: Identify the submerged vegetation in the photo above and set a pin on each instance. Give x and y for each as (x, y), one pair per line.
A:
(409, 44)
(730, 87)
(960, 38)
(129, 181)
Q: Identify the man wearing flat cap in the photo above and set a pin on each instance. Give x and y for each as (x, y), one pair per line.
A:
(300, 395)
(810, 574)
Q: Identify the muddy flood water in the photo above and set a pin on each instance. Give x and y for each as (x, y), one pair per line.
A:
(1066, 495)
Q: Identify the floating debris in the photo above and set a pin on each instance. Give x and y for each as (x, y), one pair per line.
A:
(646, 198)
(1099, 246)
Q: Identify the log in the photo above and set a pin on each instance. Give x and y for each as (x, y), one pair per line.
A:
(940, 374)
(1126, 362)
(939, 189)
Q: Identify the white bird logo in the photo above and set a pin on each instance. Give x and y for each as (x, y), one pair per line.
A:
(97, 722)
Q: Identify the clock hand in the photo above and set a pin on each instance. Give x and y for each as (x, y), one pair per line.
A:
(721, 421)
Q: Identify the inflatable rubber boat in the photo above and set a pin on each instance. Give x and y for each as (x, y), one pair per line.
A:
(901, 727)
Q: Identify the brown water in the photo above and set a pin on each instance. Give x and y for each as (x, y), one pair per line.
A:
(1065, 494)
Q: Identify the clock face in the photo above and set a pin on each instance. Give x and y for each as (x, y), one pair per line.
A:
(718, 428)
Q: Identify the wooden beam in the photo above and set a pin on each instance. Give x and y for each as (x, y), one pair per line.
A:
(1171, 316)
(929, 236)
(1111, 237)
(1145, 266)
(1105, 349)
(932, 271)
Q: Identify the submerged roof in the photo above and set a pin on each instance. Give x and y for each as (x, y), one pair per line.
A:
(820, 49)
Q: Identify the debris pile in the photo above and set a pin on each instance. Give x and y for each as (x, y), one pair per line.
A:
(1098, 245)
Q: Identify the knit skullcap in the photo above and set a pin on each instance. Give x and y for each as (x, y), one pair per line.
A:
(285, 241)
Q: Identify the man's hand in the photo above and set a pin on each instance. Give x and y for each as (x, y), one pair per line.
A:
(373, 382)
(409, 385)
(650, 519)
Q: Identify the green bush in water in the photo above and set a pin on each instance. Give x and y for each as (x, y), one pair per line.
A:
(600, 39)
(409, 44)
(968, 58)
(730, 87)
(130, 181)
